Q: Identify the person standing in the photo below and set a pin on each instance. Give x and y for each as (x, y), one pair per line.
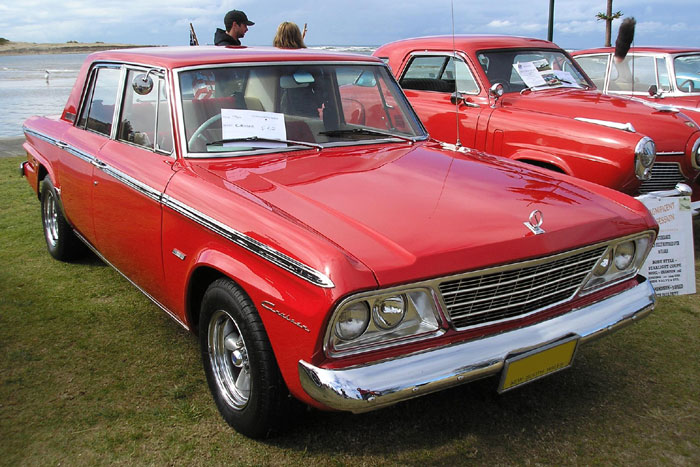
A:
(236, 23)
(289, 37)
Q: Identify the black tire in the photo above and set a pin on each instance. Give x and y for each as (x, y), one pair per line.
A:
(239, 363)
(61, 242)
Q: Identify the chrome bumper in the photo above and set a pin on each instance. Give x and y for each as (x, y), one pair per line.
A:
(21, 168)
(367, 387)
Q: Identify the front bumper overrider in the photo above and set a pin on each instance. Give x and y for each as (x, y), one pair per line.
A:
(368, 387)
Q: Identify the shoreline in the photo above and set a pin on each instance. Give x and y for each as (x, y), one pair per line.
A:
(11, 146)
(33, 48)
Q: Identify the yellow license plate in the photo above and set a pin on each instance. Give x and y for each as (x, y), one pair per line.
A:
(537, 363)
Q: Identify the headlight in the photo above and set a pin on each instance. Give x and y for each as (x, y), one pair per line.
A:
(389, 312)
(621, 260)
(352, 321)
(644, 157)
(695, 154)
(373, 321)
(624, 254)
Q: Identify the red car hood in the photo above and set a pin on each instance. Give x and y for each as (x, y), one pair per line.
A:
(669, 130)
(413, 212)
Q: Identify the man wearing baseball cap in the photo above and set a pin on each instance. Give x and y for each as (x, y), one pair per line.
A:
(236, 23)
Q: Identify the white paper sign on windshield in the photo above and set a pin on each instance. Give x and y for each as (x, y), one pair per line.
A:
(539, 73)
(529, 73)
(241, 124)
(671, 264)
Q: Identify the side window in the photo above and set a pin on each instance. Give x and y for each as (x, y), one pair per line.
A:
(145, 119)
(662, 71)
(464, 79)
(634, 74)
(98, 108)
(429, 73)
(595, 67)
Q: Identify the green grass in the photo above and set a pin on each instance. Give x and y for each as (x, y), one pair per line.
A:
(93, 373)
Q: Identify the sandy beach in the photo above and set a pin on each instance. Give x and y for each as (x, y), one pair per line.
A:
(31, 48)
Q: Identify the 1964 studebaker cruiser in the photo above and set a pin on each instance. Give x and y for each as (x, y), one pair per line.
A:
(290, 208)
(526, 99)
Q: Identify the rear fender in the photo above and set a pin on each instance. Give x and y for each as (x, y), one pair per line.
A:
(38, 168)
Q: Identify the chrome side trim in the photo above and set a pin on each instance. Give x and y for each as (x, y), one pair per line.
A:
(620, 126)
(149, 296)
(266, 252)
(254, 246)
(368, 387)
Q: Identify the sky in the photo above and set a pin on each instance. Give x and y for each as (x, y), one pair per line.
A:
(335, 22)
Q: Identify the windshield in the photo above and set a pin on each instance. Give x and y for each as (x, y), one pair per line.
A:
(520, 69)
(687, 73)
(283, 107)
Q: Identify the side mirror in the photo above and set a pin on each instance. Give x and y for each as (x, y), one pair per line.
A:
(654, 91)
(142, 84)
(496, 90)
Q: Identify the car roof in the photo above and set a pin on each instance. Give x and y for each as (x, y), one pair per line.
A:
(185, 56)
(473, 42)
(651, 49)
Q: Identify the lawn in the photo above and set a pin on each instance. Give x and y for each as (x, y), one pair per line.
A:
(92, 372)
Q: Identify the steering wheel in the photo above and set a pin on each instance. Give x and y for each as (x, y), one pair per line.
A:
(198, 132)
(689, 82)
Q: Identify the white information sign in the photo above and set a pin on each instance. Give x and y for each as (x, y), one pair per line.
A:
(238, 123)
(539, 73)
(671, 264)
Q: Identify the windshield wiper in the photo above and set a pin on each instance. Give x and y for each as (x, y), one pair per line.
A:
(365, 131)
(263, 139)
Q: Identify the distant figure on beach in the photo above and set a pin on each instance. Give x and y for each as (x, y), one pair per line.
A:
(46, 75)
(288, 37)
(236, 23)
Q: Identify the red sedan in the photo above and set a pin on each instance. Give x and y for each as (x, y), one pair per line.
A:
(289, 207)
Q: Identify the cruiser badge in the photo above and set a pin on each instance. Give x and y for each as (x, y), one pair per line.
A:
(535, 222)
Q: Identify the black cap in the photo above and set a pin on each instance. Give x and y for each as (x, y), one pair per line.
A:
(236, 16)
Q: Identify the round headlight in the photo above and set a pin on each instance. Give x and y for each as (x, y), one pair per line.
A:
(603, 265)
(353, 321)
(389, 312)
(646, 151)
(624, 255)
(696, 153)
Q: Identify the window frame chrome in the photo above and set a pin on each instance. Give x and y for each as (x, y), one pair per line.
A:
(455, 54)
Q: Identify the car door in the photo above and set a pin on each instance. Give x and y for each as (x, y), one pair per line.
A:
(429, 81)
(134, 169)
(82, 143)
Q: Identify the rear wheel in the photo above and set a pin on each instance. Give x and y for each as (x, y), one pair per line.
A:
(239, 363)
(60, 239)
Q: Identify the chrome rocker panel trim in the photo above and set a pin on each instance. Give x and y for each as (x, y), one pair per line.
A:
(368, 387)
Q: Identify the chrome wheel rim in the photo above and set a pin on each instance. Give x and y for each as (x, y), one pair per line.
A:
(229, 360)
(51, 219)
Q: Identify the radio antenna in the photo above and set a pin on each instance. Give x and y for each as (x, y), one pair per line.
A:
(454, 63)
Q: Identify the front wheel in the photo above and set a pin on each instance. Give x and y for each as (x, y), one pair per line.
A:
(61, 242)
(239, 363)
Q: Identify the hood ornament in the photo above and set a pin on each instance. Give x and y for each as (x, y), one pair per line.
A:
(535, 222)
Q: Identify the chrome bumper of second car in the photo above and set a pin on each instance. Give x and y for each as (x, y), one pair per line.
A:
(367, 387)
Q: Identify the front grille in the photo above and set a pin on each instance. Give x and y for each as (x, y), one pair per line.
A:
(664, 176)
(512, 292)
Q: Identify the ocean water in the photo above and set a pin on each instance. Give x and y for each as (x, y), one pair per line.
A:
(40, 85)
(26, 91)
